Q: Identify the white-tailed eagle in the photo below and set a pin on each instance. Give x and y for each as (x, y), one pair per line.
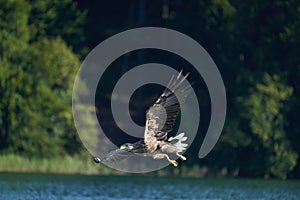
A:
(160, 119)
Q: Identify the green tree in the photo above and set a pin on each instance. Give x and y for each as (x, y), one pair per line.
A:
(266, 108)
(14, 36)
(35, 88)
(251, 39)
(51, 68)
(58, 18)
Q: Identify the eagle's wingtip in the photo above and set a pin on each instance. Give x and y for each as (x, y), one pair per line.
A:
(96, 159)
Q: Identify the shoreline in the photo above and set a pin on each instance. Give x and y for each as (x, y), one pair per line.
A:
(82, 165)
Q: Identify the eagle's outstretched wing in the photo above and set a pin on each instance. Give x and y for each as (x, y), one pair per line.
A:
(161, 117)
(114, 156)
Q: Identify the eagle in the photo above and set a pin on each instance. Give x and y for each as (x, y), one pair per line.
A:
(160, 119)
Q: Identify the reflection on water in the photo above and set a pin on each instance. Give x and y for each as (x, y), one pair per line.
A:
(45, 186)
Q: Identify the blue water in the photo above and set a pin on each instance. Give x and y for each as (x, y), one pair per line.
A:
(47, 186)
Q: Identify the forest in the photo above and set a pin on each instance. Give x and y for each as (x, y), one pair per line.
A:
(255, 45)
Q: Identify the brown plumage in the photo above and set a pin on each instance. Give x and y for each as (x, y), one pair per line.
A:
(160, 119)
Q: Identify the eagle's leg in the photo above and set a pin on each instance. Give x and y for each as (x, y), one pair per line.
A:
(161, 156)
(181, 156)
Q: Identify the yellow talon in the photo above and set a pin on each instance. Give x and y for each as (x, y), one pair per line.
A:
(174, 163)
(182, 158)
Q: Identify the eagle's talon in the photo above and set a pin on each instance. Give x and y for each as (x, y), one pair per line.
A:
(183, 158)
(174, 163)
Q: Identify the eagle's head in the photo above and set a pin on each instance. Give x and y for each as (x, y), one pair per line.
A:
(137, 147)
(127, 147)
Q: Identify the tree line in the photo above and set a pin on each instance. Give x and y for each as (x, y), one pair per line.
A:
(255, 45)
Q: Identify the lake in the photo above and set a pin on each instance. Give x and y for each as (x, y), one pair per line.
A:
(54, 186)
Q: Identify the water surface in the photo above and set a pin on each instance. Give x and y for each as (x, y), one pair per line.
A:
(49, 186)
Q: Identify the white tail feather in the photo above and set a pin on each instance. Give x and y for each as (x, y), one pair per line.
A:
(180, 146)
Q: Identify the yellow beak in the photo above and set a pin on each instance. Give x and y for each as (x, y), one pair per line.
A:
(122, 147)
